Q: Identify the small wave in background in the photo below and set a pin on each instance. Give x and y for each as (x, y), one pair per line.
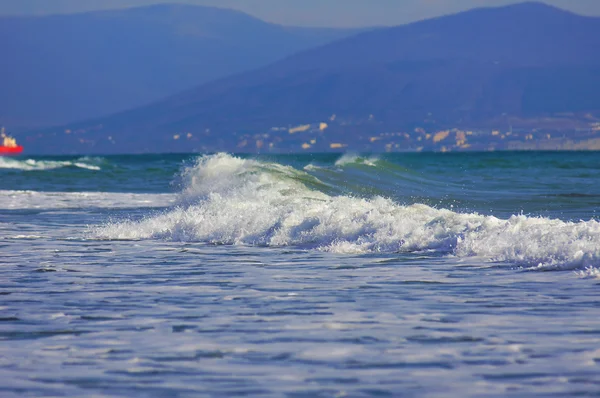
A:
(38, 165)
(353, 159)
(234, 201)
(115, 173)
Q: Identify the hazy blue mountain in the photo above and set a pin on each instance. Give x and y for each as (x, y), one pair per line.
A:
(58, 69)
(524, 61)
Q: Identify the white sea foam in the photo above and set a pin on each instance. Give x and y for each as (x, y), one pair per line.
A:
(31, 164)
(22, 200)
(589, 273)
(228, 200)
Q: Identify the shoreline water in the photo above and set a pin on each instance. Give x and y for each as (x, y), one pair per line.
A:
(301, 275)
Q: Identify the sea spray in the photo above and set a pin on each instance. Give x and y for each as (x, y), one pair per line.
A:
(234, 201)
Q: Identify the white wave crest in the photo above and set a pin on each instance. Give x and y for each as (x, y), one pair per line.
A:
(228, 200)
(31, 164)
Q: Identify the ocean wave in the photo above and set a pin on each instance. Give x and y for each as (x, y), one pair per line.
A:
(38, 165)
(353, 159)
(234, 201)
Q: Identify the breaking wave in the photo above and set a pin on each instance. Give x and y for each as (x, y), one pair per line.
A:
(234, 201)
(36, 165)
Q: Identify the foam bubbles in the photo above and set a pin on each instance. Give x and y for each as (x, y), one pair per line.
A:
(228, 200)
(589, 273)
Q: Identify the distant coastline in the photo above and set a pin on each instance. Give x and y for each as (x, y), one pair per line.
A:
(519, 77)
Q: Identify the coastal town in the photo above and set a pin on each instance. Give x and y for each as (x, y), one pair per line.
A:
(336, 134)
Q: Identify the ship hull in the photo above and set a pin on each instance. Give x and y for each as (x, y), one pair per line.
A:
(4, 150)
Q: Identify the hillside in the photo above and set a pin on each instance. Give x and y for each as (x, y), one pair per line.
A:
(63, 68)
(526, 65)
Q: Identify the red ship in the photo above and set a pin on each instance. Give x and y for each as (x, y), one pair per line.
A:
(9, 145)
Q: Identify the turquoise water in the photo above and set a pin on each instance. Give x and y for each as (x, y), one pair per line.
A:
(300, 275)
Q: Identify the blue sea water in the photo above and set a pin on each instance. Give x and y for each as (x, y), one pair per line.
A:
(316, 275)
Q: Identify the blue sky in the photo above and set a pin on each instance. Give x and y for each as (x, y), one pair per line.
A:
(303, 12)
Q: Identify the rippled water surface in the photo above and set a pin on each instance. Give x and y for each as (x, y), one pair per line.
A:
(300, 276)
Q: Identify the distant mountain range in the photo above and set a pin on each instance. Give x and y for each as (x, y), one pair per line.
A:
(63, 68)
(526, 65)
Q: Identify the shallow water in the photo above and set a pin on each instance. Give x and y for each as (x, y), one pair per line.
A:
(314, 275)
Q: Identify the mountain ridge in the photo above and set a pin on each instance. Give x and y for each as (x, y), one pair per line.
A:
(61, 68)
(520, 63)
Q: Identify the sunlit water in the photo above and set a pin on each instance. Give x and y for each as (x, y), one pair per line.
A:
(300, 276)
